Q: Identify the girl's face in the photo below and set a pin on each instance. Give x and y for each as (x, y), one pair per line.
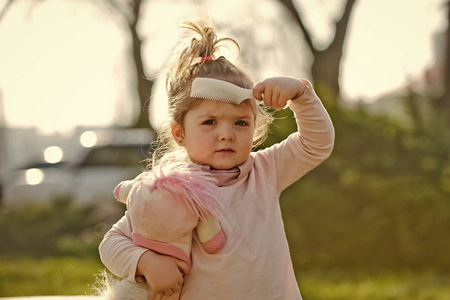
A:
(217, 134)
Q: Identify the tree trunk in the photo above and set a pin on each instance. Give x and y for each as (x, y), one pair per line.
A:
(144, 86)
(445, 100)
(326, 63)
(5, 9)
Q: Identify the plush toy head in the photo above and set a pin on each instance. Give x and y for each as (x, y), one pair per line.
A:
(187, 183)
(167, 204)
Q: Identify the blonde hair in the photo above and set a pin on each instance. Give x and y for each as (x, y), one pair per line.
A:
(184, 67)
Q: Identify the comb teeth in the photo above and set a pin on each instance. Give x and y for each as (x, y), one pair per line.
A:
(219, 90)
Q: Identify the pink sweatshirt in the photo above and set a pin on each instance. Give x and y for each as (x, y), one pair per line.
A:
(255, 262)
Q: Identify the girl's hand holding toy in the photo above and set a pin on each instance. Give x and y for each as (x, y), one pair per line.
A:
(168, 280)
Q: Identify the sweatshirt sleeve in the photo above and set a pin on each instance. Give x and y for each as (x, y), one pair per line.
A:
(118, 252)
(303, 150)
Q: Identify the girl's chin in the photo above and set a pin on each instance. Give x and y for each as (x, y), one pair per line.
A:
(225, 166)
(220, 164)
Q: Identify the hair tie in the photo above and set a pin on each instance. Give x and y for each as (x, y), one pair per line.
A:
(198, 60)
(207, 58)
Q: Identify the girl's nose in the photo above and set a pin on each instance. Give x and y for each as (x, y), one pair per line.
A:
(226, 134)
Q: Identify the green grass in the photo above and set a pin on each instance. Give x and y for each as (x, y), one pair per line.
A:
(374, 285)
(76, 276)
(47, 276)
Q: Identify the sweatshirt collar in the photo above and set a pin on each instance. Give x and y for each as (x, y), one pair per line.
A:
(230, 176)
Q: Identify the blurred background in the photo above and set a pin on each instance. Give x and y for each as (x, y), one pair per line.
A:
(81, 97)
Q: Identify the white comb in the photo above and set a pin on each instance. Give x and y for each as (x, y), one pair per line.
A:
(219, 90)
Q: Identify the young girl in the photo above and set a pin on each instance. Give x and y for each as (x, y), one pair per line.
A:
(255, 261)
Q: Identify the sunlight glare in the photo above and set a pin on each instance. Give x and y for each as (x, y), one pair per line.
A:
(88, 139)
(53, 154)
(34, 176)
(159, 107)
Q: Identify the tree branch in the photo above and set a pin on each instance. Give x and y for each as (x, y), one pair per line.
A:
(6, 8)
(296, 14)
(341, 26)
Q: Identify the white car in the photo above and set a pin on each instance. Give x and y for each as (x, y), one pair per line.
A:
(88, 180)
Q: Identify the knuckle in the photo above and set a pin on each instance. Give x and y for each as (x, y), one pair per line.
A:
(284, 95)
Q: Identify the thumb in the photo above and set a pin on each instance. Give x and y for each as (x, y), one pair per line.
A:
(183, 266)
(258, 91)
(152, 296)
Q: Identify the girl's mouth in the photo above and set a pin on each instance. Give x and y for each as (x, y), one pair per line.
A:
(225, 150)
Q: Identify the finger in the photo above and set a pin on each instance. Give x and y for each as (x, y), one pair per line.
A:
(276, 100)
(178, 287)
(168, 292)
(183, 267)
(153, 296)
(284, 100)
(258, 91)
(267, 100)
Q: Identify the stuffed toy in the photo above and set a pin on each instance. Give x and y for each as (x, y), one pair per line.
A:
(166, 206)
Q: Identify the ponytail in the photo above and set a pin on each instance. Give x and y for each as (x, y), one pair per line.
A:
(199, 57)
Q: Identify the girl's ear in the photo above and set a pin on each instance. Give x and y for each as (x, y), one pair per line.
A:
(177, 133)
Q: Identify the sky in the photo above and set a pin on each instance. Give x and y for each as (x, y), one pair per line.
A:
(64, 63)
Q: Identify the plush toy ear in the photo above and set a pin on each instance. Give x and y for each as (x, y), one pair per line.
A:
(211, 235)
(122, 190)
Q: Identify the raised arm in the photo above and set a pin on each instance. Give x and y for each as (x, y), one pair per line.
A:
(305, 149)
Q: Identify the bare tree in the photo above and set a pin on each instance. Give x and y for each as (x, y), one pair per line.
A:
(5, 9)
(326, 63)
(445, 99)
(128, 13)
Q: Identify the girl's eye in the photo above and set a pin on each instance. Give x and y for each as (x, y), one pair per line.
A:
(241, 123)
(209, 122)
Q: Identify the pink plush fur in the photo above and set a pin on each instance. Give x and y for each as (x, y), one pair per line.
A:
(189, 184)
(184, 190)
